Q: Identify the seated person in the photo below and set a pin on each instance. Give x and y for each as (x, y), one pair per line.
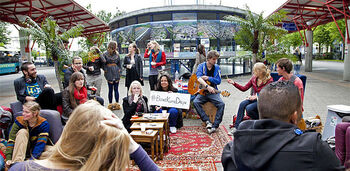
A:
(165, 84)
(342, 142)
(28, 135)
(75, 94)
(34, 87)
(275, 142)
(134, 103)
(93, 139)
(261, 77)
(209, 72)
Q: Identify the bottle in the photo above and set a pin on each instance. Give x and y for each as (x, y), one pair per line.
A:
(176, 77)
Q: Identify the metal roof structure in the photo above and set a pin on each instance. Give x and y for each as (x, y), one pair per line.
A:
(67, 14)
(307, 14)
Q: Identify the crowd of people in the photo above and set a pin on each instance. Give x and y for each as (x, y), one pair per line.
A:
(94, 138)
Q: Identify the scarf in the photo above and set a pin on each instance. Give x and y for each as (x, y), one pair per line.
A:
(81, 95)
(158, 58)
(140, 103)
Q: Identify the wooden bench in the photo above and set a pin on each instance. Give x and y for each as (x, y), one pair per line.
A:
(141, 137)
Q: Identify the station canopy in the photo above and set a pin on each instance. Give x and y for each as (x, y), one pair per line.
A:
(67, 14)
(307, 14)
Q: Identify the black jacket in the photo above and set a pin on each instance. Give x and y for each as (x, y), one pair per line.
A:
(275, 145)
(129, 110)
(20, 86)
(97, 64)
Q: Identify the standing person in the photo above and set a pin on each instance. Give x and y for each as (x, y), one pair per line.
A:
(165, 84)
(28, 135)
(76, 93)
(93, 139)
(261, 77)
(274, 142)
(133, 65)
(112, 71)
(200, 57)
(134, 103)
(93, 69)
(297, 53)
(34, 87)
(157, 59)
(210, 72)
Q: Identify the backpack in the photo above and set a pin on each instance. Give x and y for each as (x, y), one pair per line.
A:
(5, 121)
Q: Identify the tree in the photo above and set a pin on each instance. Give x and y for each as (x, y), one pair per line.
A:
(4, 33)
(322, 36)
(255, 30)
(99, 38)
(291, 39)
(50, 36)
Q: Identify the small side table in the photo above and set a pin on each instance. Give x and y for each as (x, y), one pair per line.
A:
(151, 138)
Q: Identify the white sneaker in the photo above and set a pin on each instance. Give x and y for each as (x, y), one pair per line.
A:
(233, 130)
(209, 125)
(173, 130)
(210, 131)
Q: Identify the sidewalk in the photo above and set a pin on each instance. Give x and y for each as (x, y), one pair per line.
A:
(321, 90)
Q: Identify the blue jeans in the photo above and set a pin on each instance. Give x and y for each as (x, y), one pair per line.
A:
(173, 112)
(111, 87)
(252, 110)
(218, 103)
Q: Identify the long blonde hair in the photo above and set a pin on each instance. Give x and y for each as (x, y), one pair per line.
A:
(262, 70)
(156, 46)
(87, 144)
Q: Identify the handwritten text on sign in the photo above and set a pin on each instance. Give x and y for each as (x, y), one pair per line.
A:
(177, 100)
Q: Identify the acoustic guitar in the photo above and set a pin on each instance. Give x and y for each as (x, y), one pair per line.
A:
(195, 87)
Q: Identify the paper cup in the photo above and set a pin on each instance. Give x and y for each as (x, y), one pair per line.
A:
(164, 113)
(143, 127)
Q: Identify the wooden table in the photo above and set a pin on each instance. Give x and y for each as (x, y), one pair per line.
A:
(159, 126)
(151, 138)
(157, 117)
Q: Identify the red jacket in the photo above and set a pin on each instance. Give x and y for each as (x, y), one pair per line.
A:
(154, 57)
(253, 83)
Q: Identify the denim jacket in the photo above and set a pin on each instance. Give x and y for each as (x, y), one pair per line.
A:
(202, 71)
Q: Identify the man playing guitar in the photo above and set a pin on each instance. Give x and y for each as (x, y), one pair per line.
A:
(209, 76)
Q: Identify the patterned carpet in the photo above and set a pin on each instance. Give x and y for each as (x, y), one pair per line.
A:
(194, 143)
(192, 149)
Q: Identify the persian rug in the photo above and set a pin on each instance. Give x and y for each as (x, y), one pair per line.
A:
(192, 148)
(185, 165)
(195, 144)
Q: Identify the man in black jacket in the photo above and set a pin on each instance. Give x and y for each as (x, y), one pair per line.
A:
(275, 142)
(33, 87)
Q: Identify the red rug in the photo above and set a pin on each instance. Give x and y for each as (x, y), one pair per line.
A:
(195, 144)
(185, 165)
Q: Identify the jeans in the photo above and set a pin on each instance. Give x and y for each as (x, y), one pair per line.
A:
(342, 142)
(173, 114)
(251, 108)
(218, 103)
(96, 81)
(111, 87)
(153, 79)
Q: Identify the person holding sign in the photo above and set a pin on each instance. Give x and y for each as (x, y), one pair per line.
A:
(134, 103)
(165, 84)
(209, 76)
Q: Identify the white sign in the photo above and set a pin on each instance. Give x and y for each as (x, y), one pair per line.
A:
(177, 100)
